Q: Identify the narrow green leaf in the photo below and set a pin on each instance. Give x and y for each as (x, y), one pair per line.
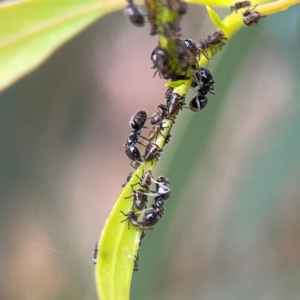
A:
(216, 19)
(118, 246)
(32, 30)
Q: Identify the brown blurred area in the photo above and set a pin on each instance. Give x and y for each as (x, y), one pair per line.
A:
(230, 229)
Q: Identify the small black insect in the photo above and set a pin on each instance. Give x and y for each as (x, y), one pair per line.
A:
(160, 60)
(186, 57)
(140, 199)
(133, 14)
(134, 155)
(191, 45)
(136, 123)
(214, 42)
(142, 237)
(138, 120)
(127, 179)
(239, 5)
(251, 17)
(198, 102)
(136, 263)
(95, 253)
(204, 79)
(163, 188)
(149, 217)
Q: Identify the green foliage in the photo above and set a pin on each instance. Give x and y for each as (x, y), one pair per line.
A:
(32, 30)
(117, 248)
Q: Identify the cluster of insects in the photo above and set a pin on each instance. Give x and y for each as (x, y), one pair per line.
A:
(187, 54)
(250, 16)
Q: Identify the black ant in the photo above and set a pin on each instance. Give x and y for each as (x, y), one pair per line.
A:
(95, 253)
(204, 79)
(239, 5)
(186, 57)
(198, 102)
(127, 179)
(194, 49)
(251, 17)
(136, 123)
(133, 14)
(149, 218)
(160, 60)
(140, 198)
(163, 188)
(214, 42)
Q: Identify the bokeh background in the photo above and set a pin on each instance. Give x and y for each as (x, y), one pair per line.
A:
(231, 228)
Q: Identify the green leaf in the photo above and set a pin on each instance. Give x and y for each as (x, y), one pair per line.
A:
(216, 19)
(117, 248)
(32, 30)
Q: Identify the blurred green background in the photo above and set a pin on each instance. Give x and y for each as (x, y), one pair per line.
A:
(231, 228)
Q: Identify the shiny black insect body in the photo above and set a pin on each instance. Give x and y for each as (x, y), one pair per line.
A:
(191, 46)
(95, 253)
(198, 102)
(160, 60)
(204, 79)
(163, 188)
(195, 49)
(239, 5)
(149, 217)
(133, 14)
(251, 17)
(186, 57)
(138, 120)
(152, 152)
(140, 199)
(136, 123)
